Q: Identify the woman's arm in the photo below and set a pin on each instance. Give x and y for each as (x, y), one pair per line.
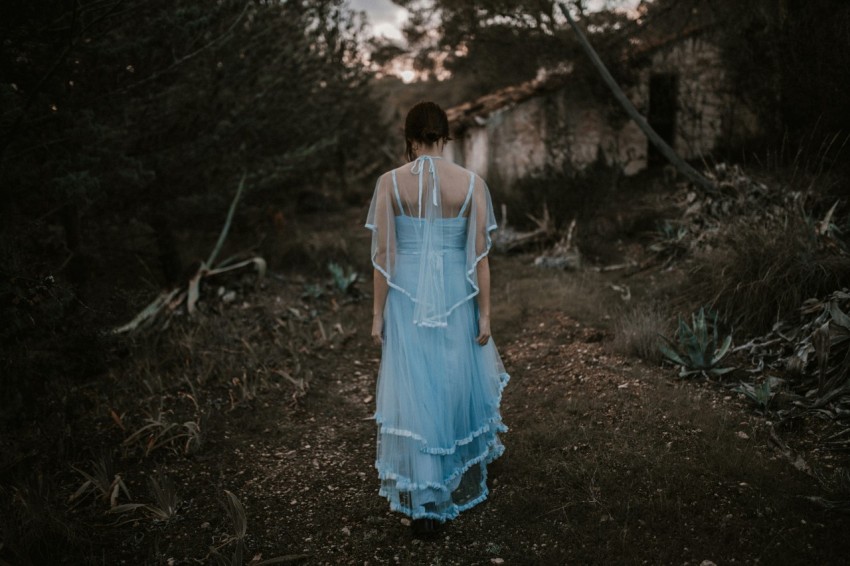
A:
(483, 270)
(483, 267)
(383, 250)
(380, 289)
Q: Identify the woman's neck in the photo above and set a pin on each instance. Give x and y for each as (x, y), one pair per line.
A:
(430, 150)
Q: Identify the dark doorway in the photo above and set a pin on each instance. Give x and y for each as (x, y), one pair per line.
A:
(663, 90)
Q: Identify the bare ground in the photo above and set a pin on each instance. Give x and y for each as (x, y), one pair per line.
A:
(608, 460)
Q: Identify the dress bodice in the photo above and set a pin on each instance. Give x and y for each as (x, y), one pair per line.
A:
(409, 229)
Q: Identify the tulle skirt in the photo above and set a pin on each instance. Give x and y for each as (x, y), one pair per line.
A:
(437, 402)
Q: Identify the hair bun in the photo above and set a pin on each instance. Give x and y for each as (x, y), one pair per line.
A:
(426, 123)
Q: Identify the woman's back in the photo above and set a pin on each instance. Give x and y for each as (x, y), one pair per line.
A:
(416, 182)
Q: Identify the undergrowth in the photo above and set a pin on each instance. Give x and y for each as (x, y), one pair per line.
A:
(566, 193)
(764, 272)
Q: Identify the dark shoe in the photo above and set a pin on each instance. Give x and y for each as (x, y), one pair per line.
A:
(425, 528)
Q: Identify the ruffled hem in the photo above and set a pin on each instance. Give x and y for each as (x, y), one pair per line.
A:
(469, 272)
(442, 517)
(489, 426)
(493, 423)
(403, 483)
(455, 510)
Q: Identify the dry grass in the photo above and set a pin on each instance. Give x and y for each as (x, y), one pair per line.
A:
(765, 272)
(637, 331)
(606, 462)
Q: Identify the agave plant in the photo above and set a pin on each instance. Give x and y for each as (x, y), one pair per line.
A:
(670, 241)
(761, 394)
(343, 281)
(699, 350)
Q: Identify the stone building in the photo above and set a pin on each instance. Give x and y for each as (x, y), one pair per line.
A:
(551, 124)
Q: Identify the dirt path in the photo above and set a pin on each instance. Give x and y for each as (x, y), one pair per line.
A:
(607, 461)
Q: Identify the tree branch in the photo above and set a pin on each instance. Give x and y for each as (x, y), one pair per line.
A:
(695, 176)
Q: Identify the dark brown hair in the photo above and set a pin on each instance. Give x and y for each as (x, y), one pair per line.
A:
(426, 123)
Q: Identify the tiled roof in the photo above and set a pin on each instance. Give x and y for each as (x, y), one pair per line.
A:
(472, 113)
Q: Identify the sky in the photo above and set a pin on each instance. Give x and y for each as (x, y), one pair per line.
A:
(386, 19)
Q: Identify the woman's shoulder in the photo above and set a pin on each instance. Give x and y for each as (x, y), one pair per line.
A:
(446, 165)
(463, 171)
(390, 173)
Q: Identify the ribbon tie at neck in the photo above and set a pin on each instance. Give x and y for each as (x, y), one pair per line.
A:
(418, 169)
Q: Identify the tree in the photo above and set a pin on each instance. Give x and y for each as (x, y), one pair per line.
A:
(787, 59)
(122, 119)
(496, 43)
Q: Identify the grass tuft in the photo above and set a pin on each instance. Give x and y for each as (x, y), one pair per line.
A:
(638, 331)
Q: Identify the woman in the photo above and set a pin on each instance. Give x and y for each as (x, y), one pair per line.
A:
(441, 378)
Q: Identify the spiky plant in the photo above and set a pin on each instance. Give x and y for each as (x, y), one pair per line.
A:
(697, 349)
(343, 281)
(761, 394)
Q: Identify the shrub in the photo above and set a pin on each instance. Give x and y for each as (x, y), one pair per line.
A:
(566, 193)
(765, 271)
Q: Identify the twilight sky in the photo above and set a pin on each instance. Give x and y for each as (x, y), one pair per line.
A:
(386, 18)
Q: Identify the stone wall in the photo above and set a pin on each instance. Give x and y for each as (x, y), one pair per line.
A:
(709, 115)
(553, 131)
(566, 129)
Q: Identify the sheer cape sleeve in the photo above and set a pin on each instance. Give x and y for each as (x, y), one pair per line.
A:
(381, 221)
(432, 307)
(481, 224)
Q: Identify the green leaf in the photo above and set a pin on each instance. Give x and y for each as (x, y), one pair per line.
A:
(720, 371)
(671, 355)
(721, 353)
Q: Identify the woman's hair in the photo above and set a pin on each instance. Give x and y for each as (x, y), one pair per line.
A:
(426, 123)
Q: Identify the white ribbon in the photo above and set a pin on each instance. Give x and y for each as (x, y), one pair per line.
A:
(430, 296)
(419, 169)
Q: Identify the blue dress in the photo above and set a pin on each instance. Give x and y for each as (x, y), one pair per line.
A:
(438, 390)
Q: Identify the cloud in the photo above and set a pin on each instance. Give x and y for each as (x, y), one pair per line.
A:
(385, 17)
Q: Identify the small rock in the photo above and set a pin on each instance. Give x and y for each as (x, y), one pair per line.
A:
(205, 525)
(346, 531)
(743, 435)
(497, 560)
(406, 522)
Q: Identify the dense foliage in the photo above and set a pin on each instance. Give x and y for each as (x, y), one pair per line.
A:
(489, 44)
(122, 121)
(787, 59)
